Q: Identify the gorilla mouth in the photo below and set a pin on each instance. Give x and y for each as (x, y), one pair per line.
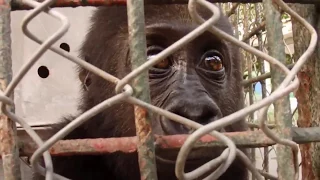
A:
(195, 159)
(196, 156)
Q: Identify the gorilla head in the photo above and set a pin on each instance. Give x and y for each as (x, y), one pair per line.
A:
(201, 81)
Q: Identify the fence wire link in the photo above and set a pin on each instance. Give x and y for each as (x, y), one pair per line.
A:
(125, 93)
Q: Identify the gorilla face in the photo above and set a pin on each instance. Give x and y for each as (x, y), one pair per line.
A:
(192, 82)
(201, 81)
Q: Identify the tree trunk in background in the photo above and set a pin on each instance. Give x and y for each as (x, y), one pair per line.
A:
(308, 94)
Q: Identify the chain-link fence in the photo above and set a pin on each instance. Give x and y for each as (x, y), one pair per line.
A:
(143, 143)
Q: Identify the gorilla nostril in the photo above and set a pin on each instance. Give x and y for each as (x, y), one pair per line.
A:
(201, 115)
(171, 127)
(206, 118)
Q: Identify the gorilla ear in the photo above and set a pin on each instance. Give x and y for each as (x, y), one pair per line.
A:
(85, 76)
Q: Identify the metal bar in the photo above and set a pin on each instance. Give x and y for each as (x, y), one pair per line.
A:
(249, 57)
(263, 88)
(254, 31)
(8, 135)
(137, 44)
(259, 22)
(18, 5)
(282, 110)
(246, 139)
(307, 95)
(260, 78)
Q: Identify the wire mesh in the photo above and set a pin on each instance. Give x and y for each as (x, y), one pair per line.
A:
(125, 92)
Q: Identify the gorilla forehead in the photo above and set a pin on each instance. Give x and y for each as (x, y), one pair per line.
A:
(155, 14)
(110, 30)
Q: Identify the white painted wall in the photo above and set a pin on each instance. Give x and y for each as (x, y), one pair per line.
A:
(44, 100)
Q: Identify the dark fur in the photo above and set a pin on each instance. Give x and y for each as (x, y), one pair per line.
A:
(106, 46)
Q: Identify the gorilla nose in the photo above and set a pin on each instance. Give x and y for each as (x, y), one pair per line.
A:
(202, 112)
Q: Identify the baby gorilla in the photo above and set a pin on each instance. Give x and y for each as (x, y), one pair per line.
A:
(200, 81)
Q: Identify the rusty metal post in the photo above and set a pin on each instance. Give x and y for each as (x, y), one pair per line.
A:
(18, 5)
(137, 41)
(259, 21)
(251, 115)
(8, 135)
(248, 57)
(282, 106)
(264, 95)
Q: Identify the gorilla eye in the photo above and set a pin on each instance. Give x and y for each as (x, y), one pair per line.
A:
(213, 60)
(154, 50)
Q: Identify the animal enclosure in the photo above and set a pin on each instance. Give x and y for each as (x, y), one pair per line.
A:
(30, 140)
